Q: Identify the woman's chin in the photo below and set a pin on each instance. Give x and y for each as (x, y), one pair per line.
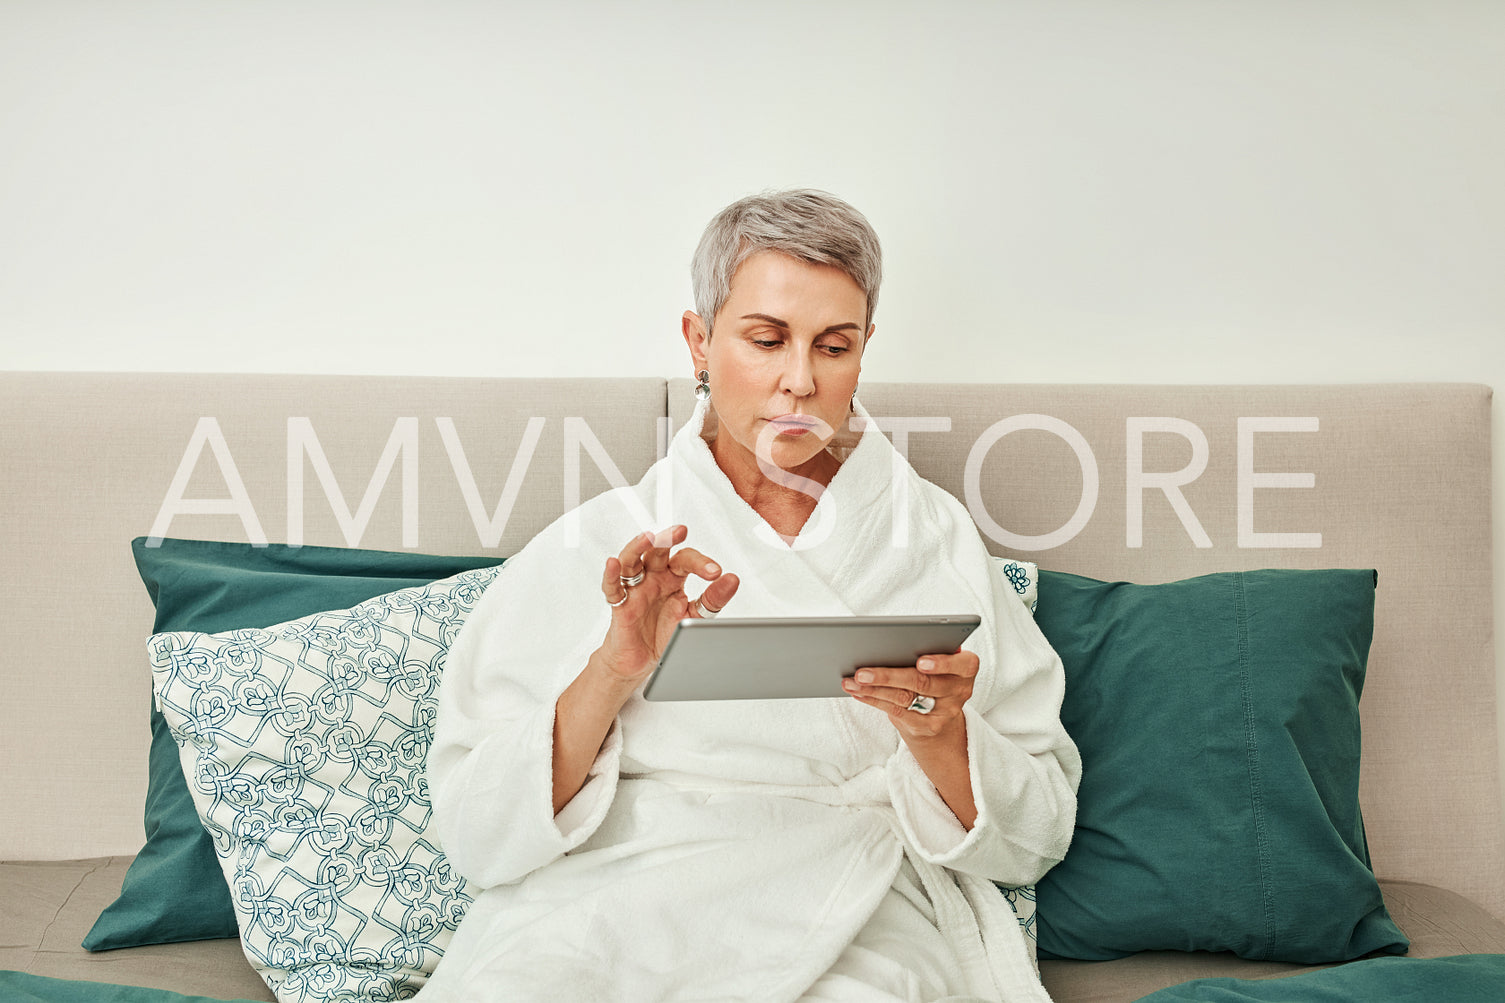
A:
(795, 453)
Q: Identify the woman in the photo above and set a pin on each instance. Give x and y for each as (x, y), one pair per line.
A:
(752, 850)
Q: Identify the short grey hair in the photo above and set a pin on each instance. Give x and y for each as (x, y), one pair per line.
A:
(806, 224)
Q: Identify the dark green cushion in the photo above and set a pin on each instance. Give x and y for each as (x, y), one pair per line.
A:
(175, 890)
(1466, 978)
(1218, 721)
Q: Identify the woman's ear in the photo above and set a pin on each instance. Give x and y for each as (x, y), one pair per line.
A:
(695, 337)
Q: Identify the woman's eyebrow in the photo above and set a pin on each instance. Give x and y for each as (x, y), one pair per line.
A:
(767, 319)
(776, 322)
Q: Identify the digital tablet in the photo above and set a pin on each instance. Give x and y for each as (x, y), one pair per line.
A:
(762, 659)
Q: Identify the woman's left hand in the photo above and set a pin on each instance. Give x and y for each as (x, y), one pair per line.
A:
(938, 740)
(947, 679)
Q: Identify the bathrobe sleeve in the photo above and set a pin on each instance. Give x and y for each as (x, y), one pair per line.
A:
(490, 769)
(1024, 767)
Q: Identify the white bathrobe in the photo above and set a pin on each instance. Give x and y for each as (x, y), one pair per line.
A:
(747, 850)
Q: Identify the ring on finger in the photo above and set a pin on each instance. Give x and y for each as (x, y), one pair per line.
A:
(619, 602)
(705, 612)
(921, 704)
(636, 579)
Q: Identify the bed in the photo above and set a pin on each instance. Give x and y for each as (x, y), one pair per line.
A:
(1351, 524)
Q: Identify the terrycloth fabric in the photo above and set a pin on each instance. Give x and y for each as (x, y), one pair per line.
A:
(734, 850)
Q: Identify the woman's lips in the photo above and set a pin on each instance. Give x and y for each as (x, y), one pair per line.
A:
(793, 424)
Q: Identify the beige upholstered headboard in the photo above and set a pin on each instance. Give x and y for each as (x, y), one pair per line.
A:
(1140, 483)
(90, 462)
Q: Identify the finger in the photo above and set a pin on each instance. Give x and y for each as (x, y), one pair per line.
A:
(689, 561)
(897, 711)
(890, 696)
(959, 663)
(630, 560)
(611, 581)
(912, 681)
(670, 536)
(720, 592)
(714, 597)
(895, 678)
(657, 557)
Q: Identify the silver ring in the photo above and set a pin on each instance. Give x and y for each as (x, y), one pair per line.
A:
(619, 602)
(636, 579)
(706, 613)
(921, 704)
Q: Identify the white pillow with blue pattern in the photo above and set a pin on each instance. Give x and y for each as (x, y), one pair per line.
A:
(1025, 579)
(304, 748)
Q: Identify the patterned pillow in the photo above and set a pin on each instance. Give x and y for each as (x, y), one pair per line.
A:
(304, 748)
(174, 889)
(1025, 578)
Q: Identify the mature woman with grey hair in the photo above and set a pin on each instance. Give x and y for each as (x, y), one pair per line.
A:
(831, 849)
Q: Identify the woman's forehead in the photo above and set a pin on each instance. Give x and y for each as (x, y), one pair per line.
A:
(770, 281)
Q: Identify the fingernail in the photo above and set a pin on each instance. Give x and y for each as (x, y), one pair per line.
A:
(864, 676)
(925, 664)
(711, 569)
(848, 685)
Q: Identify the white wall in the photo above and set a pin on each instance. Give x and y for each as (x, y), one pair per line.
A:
(1182, 191)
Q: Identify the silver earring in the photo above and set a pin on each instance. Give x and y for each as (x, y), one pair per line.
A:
(703, 388)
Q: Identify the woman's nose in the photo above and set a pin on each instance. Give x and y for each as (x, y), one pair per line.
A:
(798, 378)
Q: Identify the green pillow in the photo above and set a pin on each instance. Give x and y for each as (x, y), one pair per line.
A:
(1218, 722)
(175, 890)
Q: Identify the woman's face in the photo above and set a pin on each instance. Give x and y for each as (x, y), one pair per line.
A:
(783, 358)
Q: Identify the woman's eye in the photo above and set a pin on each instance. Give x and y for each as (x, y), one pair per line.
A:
(765, 343)
(835, 349)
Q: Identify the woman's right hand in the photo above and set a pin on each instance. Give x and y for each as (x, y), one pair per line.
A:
(641, 625)
(641, 622)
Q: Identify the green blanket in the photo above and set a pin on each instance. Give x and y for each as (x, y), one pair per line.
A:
(18, 987)
(1467, 978)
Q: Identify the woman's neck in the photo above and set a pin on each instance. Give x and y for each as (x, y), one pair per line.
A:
(784, 503)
